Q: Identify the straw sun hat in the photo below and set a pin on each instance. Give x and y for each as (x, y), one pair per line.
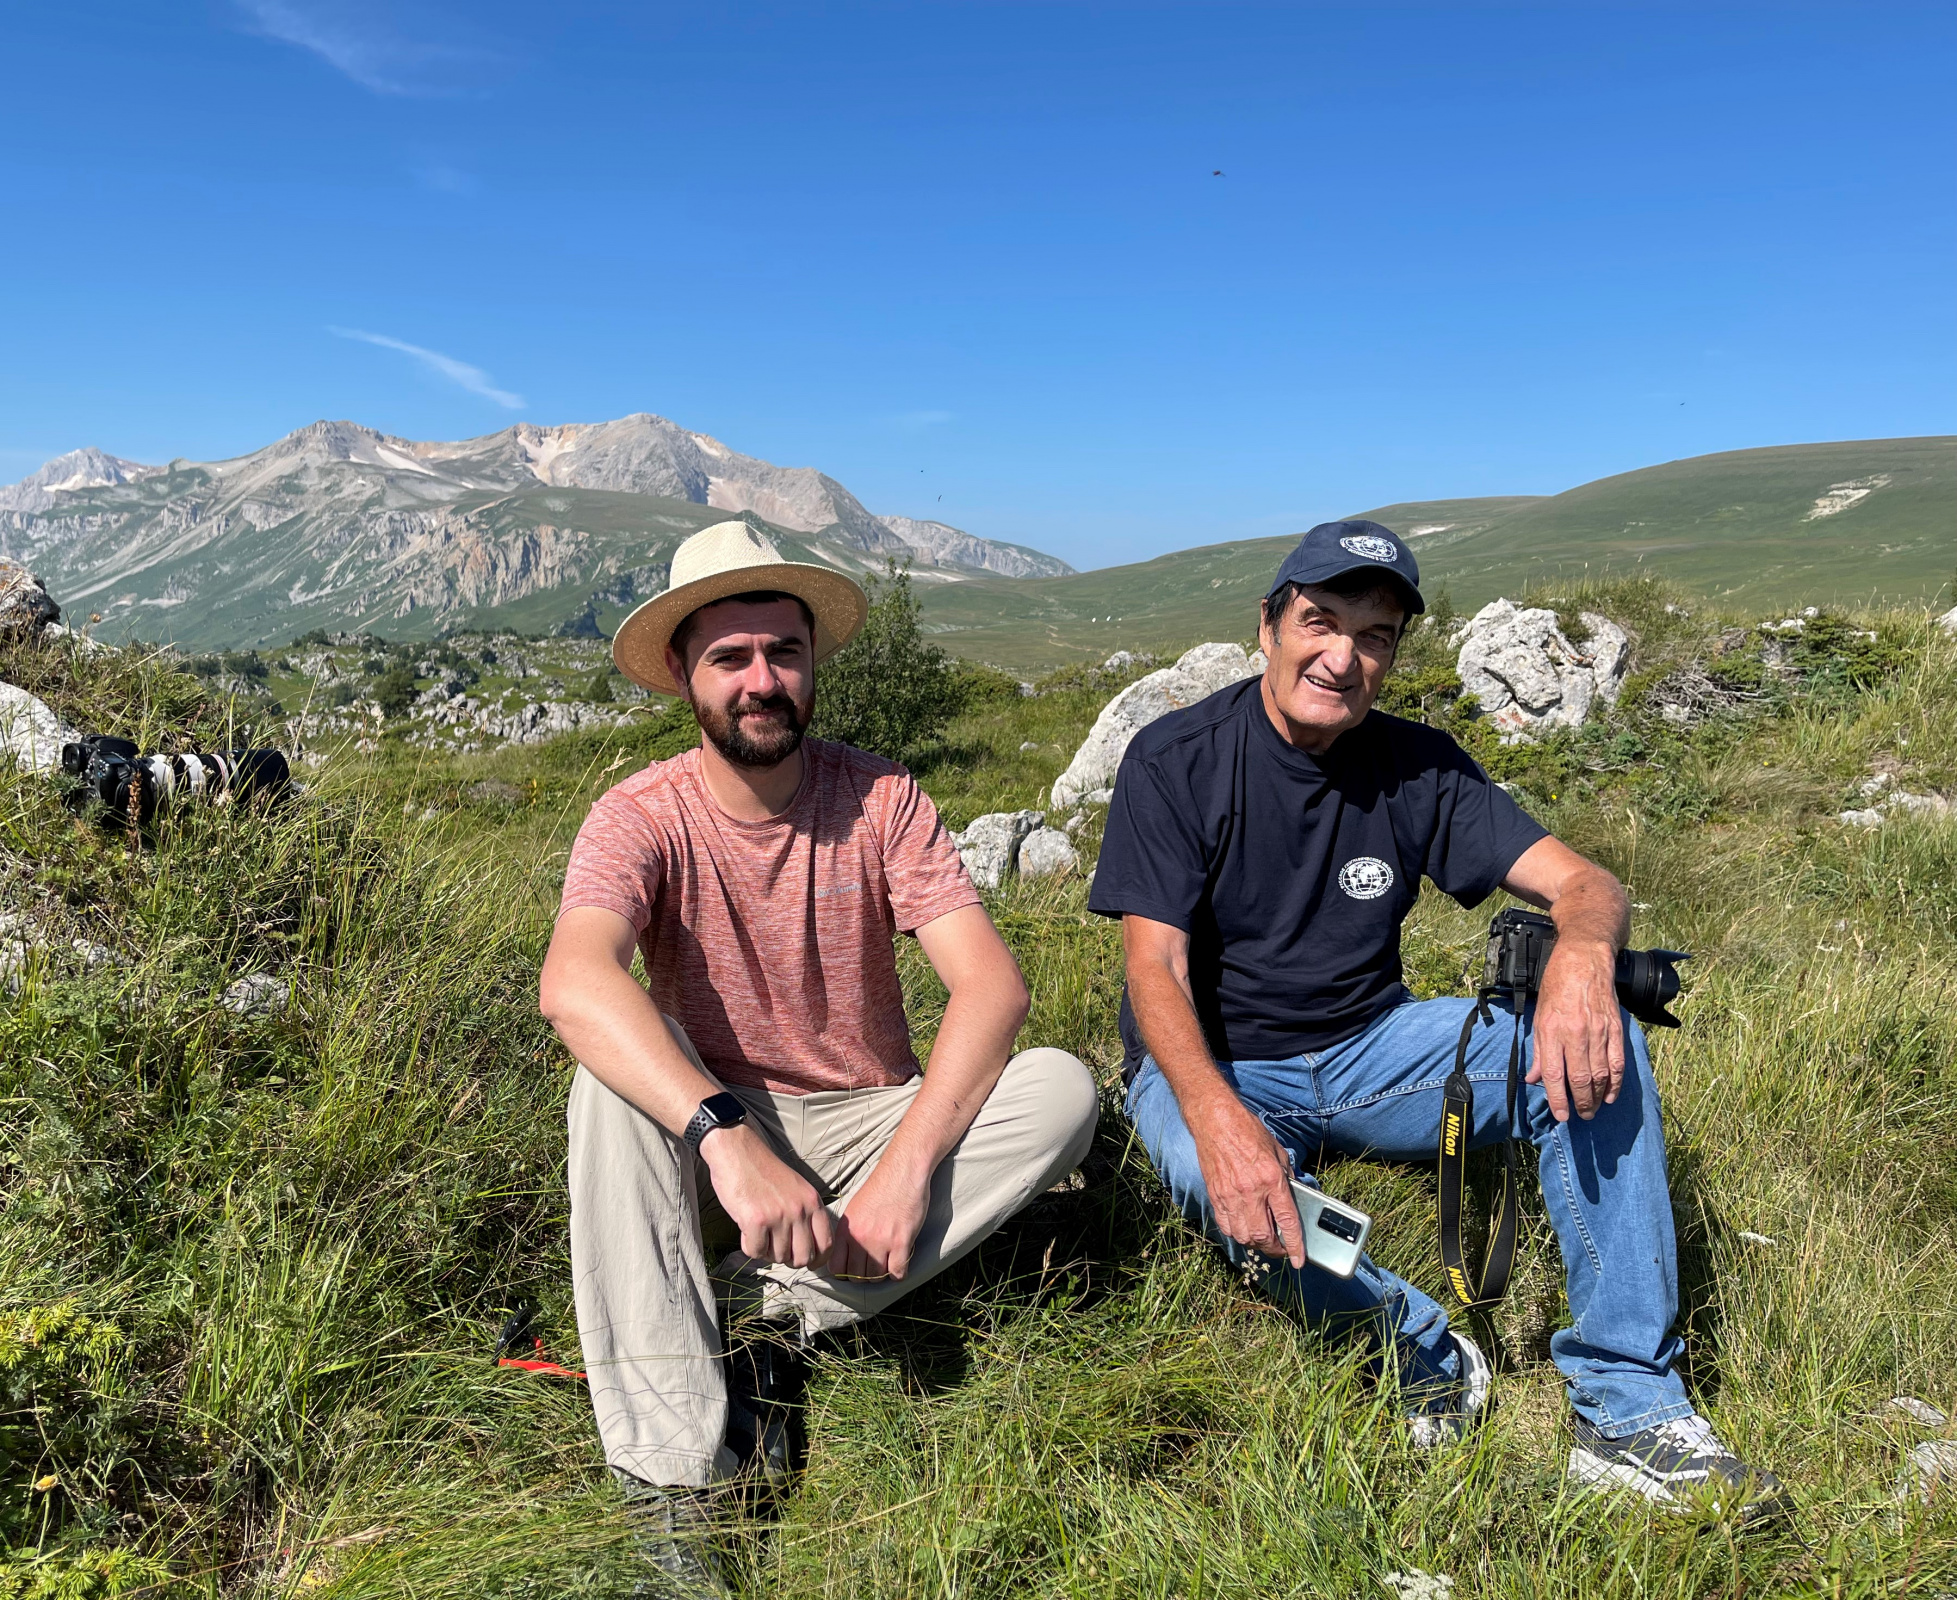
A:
(727, 559)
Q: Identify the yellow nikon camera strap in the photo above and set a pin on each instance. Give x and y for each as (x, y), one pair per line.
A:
(1476, 1291)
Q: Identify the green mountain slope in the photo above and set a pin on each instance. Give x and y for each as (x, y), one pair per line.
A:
(1869, 519)
(1797, 524)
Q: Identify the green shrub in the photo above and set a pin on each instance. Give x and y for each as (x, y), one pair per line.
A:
(980, 685)
(599, 690)
(394, 690)
(889, 690)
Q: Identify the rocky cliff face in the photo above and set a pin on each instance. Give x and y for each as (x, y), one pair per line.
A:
(341, 526)
(953, 547)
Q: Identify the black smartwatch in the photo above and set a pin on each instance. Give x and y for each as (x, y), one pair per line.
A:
(716, 1111)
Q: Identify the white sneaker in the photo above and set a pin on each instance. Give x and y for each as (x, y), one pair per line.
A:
(1433, 1429)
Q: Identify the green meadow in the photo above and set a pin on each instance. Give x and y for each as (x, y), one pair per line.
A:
(252, 1265)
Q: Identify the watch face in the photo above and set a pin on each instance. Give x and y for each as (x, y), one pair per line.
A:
(726, 1111)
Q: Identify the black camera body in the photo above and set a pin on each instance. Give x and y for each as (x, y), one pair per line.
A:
(133, 786)
(1519, 943)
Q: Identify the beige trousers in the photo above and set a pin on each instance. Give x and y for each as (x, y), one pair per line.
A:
(643, 1221)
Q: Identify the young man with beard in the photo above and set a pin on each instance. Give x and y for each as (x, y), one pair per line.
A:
(1263, 849)
(749, 1130)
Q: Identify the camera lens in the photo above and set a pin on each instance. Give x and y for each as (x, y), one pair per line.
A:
(1647, 981)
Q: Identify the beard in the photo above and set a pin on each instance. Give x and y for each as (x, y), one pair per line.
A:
(755, 732)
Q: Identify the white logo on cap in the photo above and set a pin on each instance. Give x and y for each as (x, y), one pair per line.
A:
(1364, 544)
(1365, 877)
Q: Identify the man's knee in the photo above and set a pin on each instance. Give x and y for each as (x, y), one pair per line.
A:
(1061, 1094)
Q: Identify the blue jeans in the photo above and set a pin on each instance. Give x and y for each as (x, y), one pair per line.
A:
(1603, 1183)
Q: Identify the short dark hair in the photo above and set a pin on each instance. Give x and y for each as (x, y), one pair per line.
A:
(1362, 583)
(683, 634)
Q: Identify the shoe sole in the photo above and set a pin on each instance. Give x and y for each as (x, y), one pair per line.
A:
(1604, 1473)
(1477, 1380)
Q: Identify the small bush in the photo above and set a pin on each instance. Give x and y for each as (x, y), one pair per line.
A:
(889, 690)
(986, 686)
(394, 690)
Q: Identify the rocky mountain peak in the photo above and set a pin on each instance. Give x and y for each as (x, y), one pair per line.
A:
(340, 523)
(87, 468)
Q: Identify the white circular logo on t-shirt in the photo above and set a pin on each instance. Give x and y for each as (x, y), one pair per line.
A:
(1365, 877)
(1364, 544)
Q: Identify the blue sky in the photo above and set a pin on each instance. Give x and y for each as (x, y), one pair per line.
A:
(979, 252)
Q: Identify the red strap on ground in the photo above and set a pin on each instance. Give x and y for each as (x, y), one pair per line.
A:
(539, 1366)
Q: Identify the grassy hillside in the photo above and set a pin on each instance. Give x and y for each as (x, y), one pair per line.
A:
(1739, 526)
(1733, 526)
(251, 1265)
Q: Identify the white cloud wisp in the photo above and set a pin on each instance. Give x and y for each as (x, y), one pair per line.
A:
(459, 373)
(366, 43)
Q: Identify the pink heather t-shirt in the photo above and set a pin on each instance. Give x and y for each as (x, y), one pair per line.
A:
(772, 942)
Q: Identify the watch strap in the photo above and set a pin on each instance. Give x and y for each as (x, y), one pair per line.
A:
(706, 1119)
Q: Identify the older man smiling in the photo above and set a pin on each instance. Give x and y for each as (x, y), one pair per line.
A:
(1262, 850)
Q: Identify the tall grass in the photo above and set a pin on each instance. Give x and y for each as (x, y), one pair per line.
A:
(251, 1267)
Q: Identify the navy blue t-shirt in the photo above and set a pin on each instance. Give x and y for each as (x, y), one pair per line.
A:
(1291, 873)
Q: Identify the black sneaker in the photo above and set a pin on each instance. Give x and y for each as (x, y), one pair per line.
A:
(766, 1379)
(671, 1528)
(1679, 1465)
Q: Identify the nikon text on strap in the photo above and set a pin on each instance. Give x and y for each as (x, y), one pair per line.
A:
(1477, 1291)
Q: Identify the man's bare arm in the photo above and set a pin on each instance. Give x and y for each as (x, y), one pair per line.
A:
(611, 1025)
(1245, 1172)
(982, 1018)
(1579, 1036)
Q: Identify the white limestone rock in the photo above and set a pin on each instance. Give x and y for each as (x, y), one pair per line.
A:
(1948, 621)
(25, 604)
(1217, 666)
(1527, 674)
(30, 733)
(1933, 1470)
(989, 846)
(1043, 853)
(75, 640)
(1919, 1411)
(1887, 801)
(257, 994)
(1197, 674)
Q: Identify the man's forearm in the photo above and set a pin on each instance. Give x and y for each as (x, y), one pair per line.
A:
(1593, 909)
(1173, 1034)
(974, 1041)
(617, 1034)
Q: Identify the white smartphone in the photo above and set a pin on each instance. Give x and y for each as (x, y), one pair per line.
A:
(1335, 1233)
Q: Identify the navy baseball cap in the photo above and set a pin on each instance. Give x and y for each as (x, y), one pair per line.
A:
(1334, 548)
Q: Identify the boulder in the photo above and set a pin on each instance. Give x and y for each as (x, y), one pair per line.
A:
(257, 994)
(30, 733)
(1044, 853)
(1217, 666)
(1197, 675)
(72, 639)
(25, 605)
(1527, 674)
(1933, 1469)
(1948, 621)
(989, 847)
